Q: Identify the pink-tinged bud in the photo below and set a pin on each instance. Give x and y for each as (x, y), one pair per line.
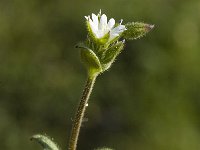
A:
(136, 30)
(149, 27)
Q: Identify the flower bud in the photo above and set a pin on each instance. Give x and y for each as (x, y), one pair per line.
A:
(136, 30)
(110, 55)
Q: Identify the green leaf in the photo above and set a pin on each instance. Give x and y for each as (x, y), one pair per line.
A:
(136, 30)
(45, 142)
(104, 148)
(111, 53)
(90, 60)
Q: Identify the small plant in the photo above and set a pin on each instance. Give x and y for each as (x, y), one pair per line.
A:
(104, 42)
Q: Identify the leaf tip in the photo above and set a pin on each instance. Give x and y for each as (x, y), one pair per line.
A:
(45, 142)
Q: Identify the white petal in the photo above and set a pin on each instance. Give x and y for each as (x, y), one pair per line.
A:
(118, 29)
(121, 27)
(112, 36)
(95, 20)
(86, 17)
(111, 23)
(93, 26)
(100, 33)
(103, 22)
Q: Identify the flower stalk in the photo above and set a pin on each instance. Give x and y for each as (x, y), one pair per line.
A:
(105, 41)
(78, 119)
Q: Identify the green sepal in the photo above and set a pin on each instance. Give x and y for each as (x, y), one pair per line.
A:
(92, 36)
(104, 39)
(110, 55)
(136, 30)
(45, 142)
(90, 32)
(90, 60)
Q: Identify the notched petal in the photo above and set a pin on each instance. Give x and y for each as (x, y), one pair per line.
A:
(103, 22)
(95, 20)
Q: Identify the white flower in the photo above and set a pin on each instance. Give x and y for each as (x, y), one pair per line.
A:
(100, 27)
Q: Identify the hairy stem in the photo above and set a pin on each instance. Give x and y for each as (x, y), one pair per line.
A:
(80, 113)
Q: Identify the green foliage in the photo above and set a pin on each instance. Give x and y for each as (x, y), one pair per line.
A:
(136, 30)
(98, 61)
(104, 148)
(90, 59)
(45, 142)
(111, 53)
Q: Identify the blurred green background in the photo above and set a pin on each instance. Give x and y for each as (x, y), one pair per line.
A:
(148, 100)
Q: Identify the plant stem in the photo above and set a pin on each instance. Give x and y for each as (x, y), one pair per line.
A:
(80, 113)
